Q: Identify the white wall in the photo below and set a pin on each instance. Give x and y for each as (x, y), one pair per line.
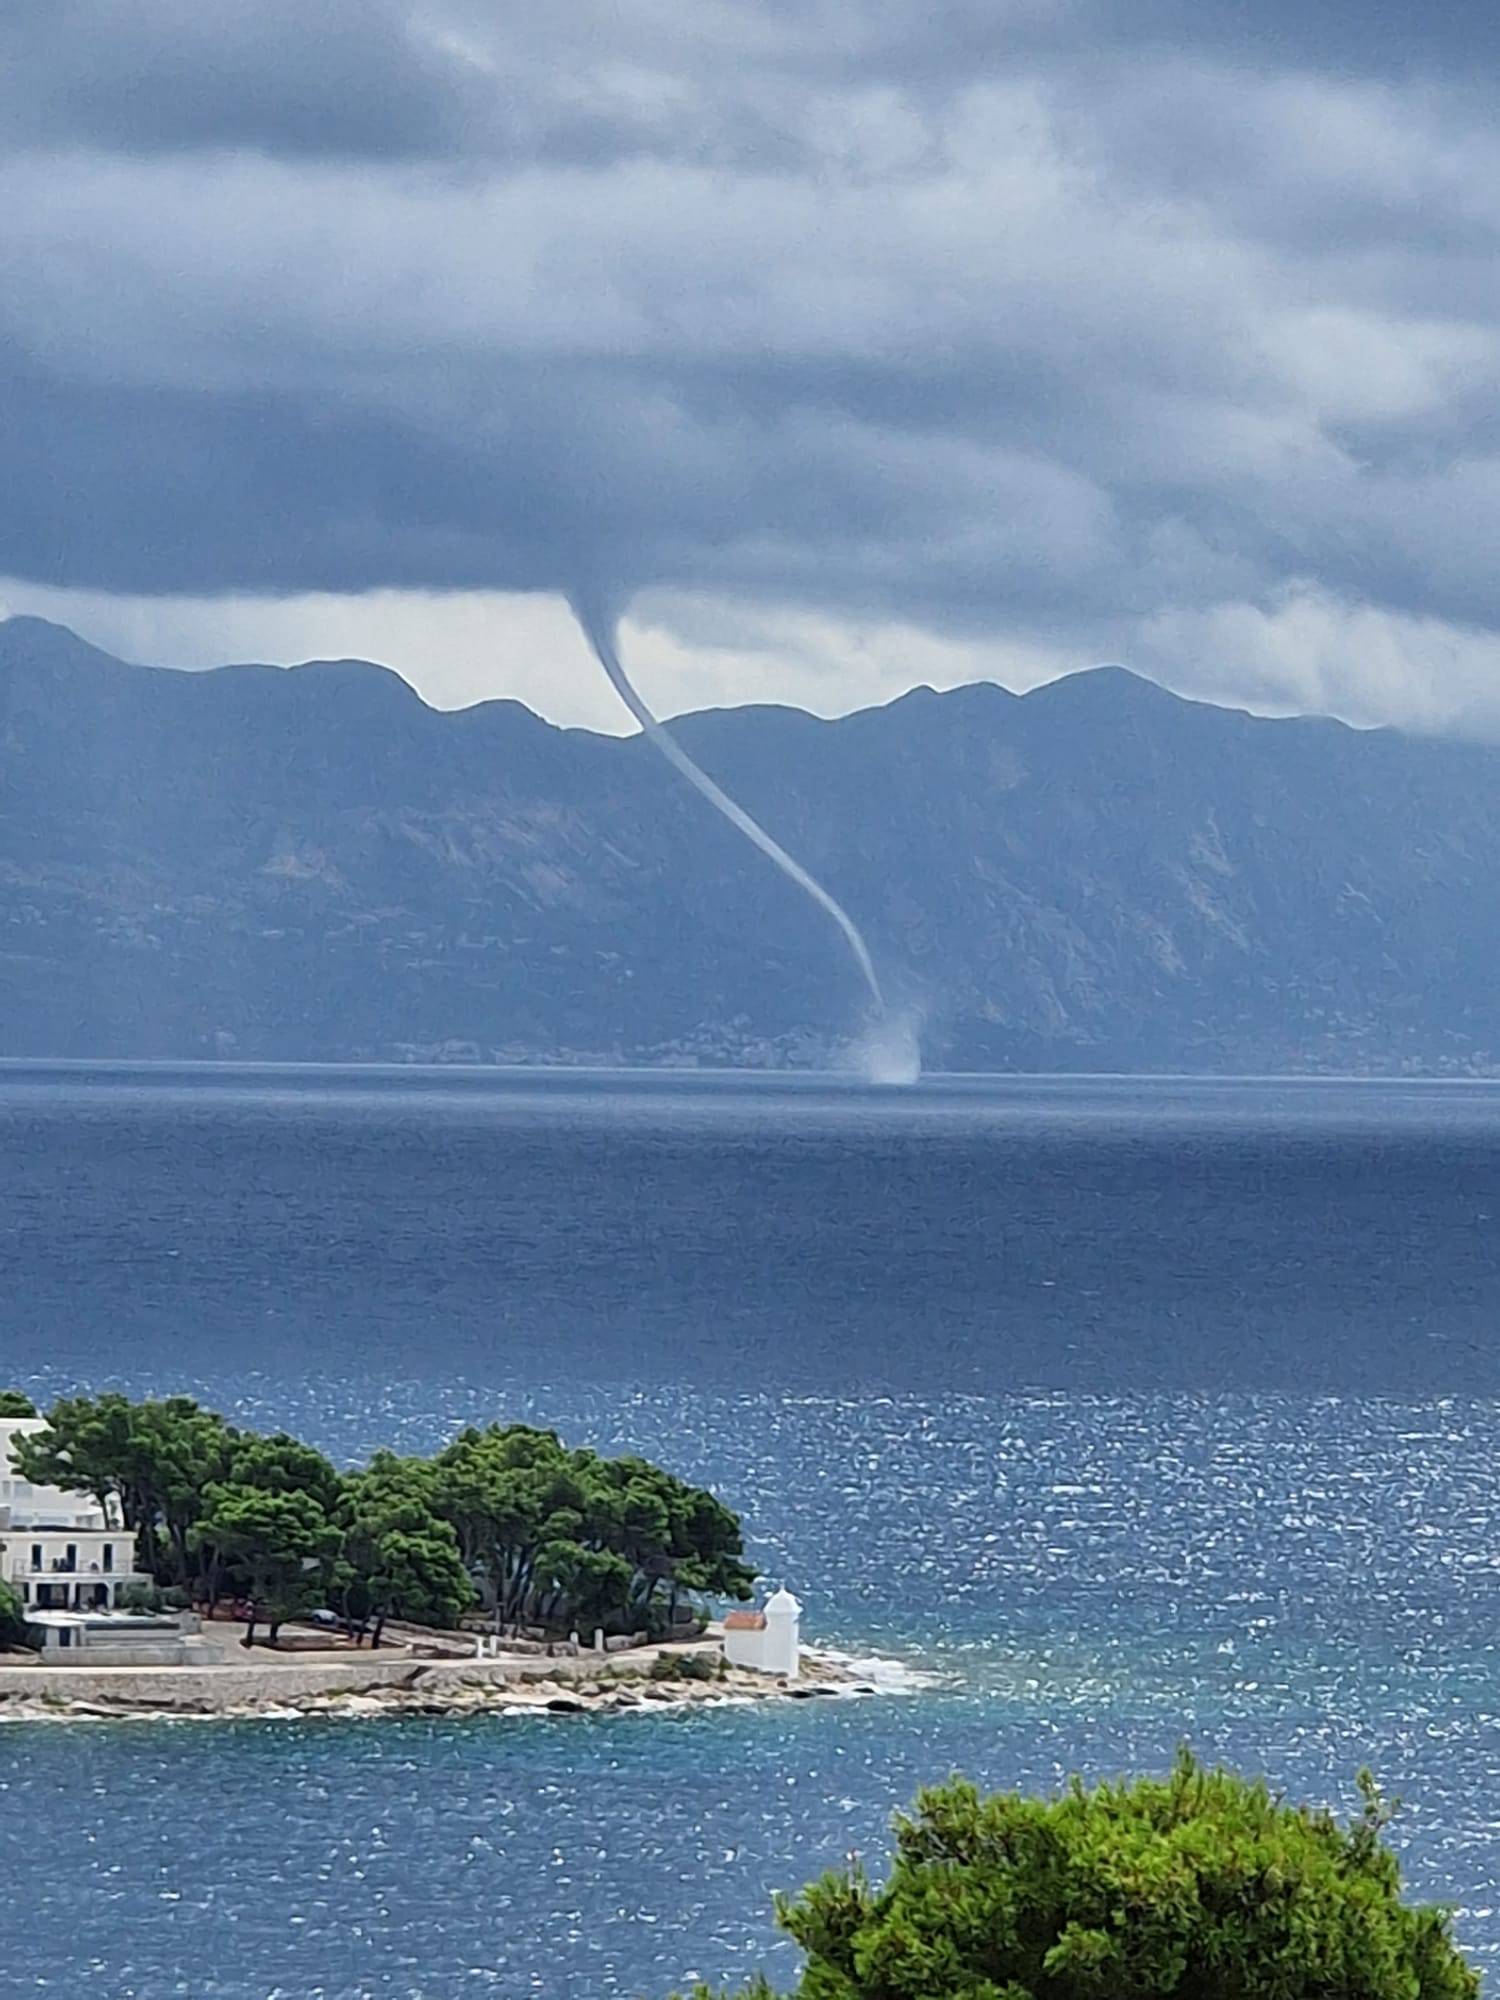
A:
(744, 1648)
(775, 1647)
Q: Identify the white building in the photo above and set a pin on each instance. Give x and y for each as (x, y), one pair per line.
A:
(770, 1640)
(59, 1551)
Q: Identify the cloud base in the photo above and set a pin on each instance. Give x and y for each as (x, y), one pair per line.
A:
(1014, 337)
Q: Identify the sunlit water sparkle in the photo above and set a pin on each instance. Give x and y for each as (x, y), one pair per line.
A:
(1299, 1587)
(1300, 1583)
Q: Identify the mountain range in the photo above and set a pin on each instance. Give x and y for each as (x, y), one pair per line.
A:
(309, 863)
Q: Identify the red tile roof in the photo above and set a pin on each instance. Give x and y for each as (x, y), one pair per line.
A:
(745, 1621)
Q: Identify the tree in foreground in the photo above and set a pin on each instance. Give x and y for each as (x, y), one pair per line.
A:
(16, 1403)
(1198, 1886)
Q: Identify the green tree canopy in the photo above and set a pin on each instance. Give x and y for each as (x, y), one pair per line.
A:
(16, 1403)
(153, 1460)
(399, 1558)
(283, 1464)
(283, 1544)
(1199, 1886)
(86, 1448)
(542, 1534)
(557, 1536)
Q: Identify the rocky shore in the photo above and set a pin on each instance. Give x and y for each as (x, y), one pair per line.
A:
(359, 1687)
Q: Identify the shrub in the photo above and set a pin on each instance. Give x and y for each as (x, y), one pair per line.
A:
(1198, 1886)
(686, 1667)
(153, 1597)
(140, 1597)
(12, 1619)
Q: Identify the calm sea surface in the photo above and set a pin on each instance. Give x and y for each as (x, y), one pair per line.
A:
(1125, 1412)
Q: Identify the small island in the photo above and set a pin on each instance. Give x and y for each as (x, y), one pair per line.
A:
(157, 1559)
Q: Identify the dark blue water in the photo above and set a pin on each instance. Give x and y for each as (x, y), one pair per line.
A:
(1128, 1412)
(973, 1235)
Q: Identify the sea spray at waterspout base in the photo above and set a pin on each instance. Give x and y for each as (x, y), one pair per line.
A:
(889, 1051)
(599, 629)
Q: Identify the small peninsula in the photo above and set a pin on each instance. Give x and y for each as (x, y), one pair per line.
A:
(158, 1559)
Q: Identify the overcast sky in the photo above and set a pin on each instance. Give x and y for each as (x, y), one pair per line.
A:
(852, 343)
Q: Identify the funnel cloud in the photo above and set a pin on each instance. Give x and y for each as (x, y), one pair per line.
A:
(600, 627)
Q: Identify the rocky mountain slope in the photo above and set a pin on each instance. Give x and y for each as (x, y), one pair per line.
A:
(312, 864)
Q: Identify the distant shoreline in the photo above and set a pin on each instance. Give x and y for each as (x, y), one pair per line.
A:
(392, 1068)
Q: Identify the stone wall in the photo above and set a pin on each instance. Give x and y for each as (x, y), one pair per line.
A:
(165, 1652)
(193, 1690)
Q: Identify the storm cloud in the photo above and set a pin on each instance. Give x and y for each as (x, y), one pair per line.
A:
(1152, 332)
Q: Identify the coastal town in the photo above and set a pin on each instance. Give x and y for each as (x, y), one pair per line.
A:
(92, 1632)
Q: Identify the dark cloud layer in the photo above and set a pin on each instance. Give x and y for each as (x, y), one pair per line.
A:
(1084, 319)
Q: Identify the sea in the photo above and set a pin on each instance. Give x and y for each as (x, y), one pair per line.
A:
(1101, 1415)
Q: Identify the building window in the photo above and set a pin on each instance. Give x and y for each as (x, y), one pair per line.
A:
(109, 1557)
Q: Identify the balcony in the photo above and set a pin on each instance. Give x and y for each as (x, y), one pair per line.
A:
(60, 1566)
